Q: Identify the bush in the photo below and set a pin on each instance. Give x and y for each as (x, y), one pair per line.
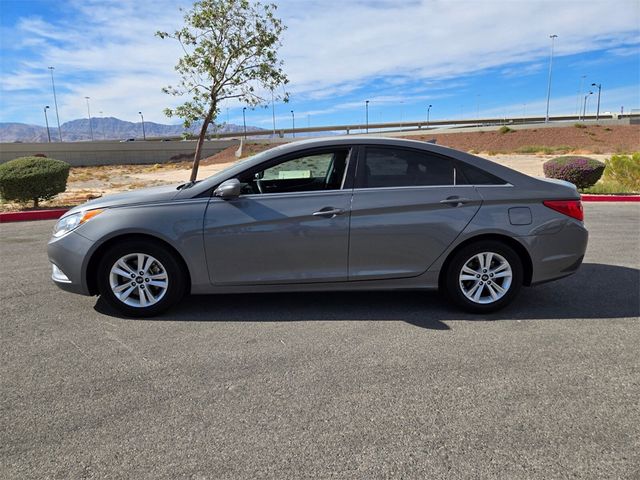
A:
(624, 170)
(504, 129)
(583, 172)
(33, 178)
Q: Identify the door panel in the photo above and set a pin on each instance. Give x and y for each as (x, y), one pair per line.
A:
(400, 232)
(275, 238)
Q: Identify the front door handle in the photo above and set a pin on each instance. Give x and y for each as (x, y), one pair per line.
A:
(456, 201)
(328, 212)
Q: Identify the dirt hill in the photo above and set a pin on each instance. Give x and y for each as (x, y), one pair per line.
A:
(595, 139)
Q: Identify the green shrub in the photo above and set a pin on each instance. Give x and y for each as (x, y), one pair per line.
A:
(583, 172)
(33, 178)
(504, 129)
(579, 125)
(624, 170)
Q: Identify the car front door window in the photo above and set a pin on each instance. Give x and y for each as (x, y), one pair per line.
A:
(308, 173)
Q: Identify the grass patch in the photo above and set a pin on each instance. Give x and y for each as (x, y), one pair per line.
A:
(541, 149)
(579, 125)
(504, 129)
(608, 187)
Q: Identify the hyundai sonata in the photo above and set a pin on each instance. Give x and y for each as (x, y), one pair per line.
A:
(350, 213)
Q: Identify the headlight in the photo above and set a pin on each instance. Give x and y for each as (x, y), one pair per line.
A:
(71, 222)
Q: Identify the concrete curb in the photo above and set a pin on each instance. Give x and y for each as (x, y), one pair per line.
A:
(32, 215)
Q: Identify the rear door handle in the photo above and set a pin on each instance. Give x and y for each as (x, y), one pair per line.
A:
(456, 201)
(328, 212)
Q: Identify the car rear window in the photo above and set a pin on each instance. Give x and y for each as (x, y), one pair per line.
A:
(468, 175)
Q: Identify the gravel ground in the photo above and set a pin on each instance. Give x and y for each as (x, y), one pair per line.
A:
(349, 386)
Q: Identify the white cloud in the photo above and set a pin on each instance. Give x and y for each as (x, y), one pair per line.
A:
(331, 48)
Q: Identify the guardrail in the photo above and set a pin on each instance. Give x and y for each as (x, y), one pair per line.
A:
(489, 121)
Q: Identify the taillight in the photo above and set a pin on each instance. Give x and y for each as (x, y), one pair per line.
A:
(571, 208)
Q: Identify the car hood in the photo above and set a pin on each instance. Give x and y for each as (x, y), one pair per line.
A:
(136, 197)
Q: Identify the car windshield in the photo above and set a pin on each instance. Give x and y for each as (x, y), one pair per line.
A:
(239, 165)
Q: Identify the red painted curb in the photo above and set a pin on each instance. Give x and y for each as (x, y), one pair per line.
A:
(611, 198)
(32, 215)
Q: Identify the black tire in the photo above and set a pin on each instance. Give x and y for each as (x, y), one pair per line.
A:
(453, 285)
(175, 273)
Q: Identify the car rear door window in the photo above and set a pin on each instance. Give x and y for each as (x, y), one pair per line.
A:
(391, 167)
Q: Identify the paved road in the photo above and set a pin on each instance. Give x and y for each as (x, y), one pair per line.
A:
(371, 385)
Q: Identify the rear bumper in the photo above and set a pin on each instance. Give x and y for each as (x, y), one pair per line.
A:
(559, 254)
(68, 254)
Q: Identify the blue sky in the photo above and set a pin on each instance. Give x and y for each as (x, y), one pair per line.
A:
(465, 57)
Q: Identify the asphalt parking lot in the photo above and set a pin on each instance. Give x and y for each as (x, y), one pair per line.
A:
(366, 385)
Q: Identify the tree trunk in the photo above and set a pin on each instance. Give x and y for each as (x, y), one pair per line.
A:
(35, 202)
(198, 154)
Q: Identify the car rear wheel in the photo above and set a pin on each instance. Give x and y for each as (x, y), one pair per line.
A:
(140, 279)
(484, 276)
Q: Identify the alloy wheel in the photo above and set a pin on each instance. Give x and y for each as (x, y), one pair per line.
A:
(138, 280)
(485, 278)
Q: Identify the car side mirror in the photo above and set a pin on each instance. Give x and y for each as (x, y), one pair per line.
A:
(229, 189)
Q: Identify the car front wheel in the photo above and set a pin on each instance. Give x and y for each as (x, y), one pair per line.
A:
(140, 279)
(484, 276)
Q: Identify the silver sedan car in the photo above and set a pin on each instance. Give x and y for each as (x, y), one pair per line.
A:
(350, 213)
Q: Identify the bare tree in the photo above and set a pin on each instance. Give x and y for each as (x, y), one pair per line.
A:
(230, 52)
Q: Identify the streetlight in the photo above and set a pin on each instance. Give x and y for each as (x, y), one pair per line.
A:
(104, 136)
(552, 37)
(46, 120)
(584, 107)
(599, 85)
(428, 112)
(89, 113)
(366, 107)
(582, 77)
(55, 102)
(244, 121)
(273, 114)
(144, 135)
(293, 124)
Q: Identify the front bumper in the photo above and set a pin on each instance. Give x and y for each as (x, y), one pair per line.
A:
(70, 254)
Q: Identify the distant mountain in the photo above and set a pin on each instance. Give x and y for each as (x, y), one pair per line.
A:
(104, 128)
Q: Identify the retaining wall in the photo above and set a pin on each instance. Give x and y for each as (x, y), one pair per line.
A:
(80, 154)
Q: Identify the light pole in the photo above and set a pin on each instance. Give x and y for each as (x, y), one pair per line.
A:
(55, 102)
(89, 113)
(428, 112)
(584, 107)
(582, 77)
(104, 137)
(244, 122)
(293, 124)
(366, 107)
(273, 114)
(599, 85)
(144, 135)
(46, 120)
(552, 37)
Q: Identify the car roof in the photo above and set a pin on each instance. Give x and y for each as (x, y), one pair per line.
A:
(511, 176)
